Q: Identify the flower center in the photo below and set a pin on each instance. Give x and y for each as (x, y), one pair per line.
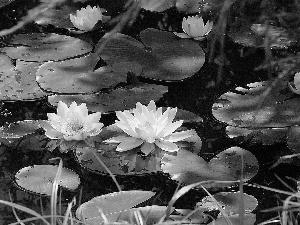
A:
(147, 125)
(74, 126)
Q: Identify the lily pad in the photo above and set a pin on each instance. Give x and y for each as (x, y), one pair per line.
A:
(261, 105)
(163, 56)
(127, 163)
(230, 202)
(249, 219)
(118, 99)
(293, 142)
(188, 168)
(42, 47)
(266, 136)
(19, 129)
(157, 5)
(75, 76)
(189, 6)
(18, 82)
(254, 35)
(113, 203)
(39, 178)
(58, 17)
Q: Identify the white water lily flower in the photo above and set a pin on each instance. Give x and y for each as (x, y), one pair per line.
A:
(73, 123)
(148, 126)
(86, 18)
(194, 27)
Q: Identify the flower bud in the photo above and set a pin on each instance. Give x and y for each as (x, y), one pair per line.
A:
(194, 27)
(86, 18)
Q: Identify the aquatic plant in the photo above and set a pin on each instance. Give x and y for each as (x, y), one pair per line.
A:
(148, 127)
(129, 63)
(86, 18)
(72, 123)
(194, 27)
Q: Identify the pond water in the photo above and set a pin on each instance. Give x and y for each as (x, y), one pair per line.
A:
(43, 65)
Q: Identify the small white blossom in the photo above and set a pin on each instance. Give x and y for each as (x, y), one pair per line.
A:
(194, 27)
(73, 123)
(86, 18)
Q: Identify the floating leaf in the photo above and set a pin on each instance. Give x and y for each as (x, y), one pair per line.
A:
(253, 35)
(231, 161)
(18, 82)
(266, 136)
(157, 5)
(189, 168)
(189, 6)
(19, 129)
(41, 47)
(195, 216)
(39, 178)
(230, 202)
(151, 215)
(113, 203)
(163, 57)
(293, 139)
(256, 108)
(127, 163)
(249, 219)
(118, 99)
(58, 17)
(74, 76)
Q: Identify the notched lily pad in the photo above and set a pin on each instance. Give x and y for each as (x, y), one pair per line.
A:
(255, 108)
(163, 56)
(189, 168)
(42, 47)
(76, 76)
(39, 178)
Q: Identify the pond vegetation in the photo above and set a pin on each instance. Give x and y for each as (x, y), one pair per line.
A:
(149, 112)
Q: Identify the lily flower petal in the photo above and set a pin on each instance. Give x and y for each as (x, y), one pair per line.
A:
(181, 35)
(172, 127)
(129, 144)
(167, 146)
(62, 109)
(179, 136)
